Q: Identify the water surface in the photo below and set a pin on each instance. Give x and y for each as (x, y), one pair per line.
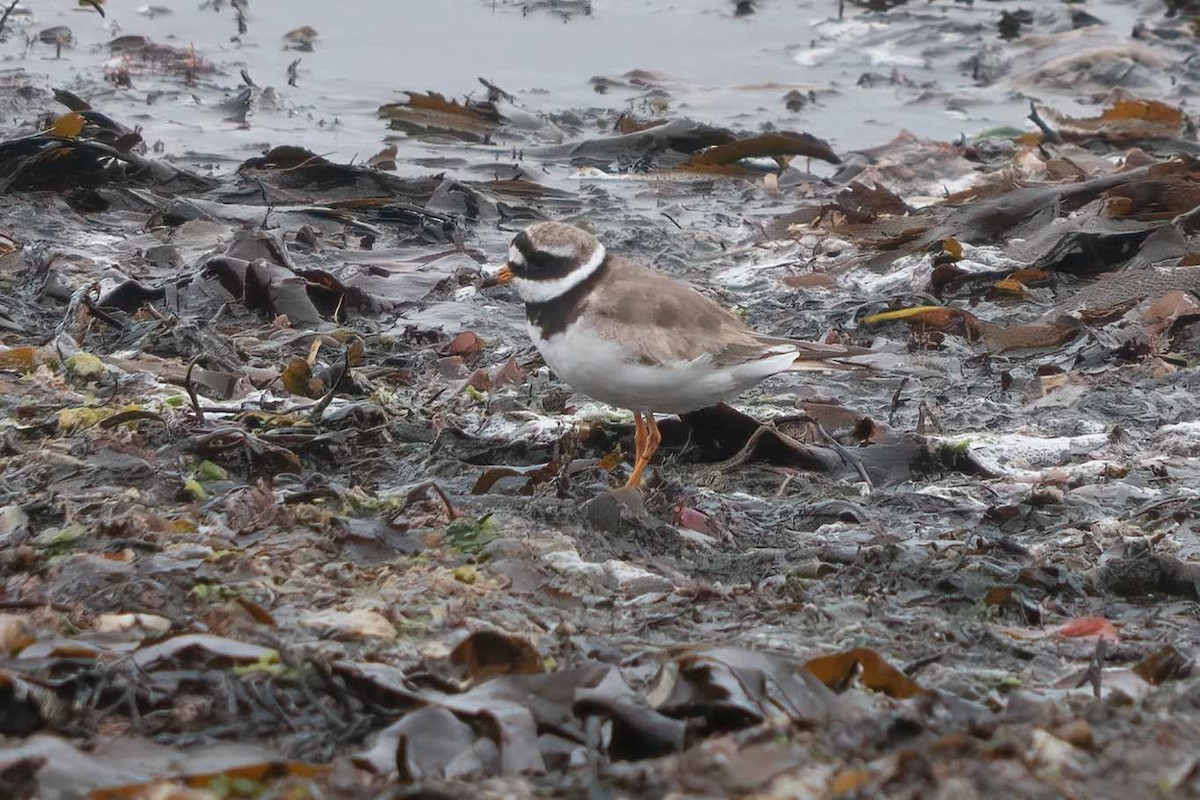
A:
(710, 64)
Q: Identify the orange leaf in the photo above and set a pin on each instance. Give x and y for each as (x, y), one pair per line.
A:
(1149, 110)
(1163, 664)
(1030, 276)
(1009, 287)
(627, 123)
(851, 780)
(298, 379)
(68, 126)
(998, 595)
(436, 102)
(1118, 206)
(769, 144)
(611, 460)
(837, 670)
(464, 344)
(952, 248)
(485, 654)
(18, 359)
(264, 772)
(1089, 626)
(940, 318)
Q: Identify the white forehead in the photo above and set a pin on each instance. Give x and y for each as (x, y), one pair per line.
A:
(515, 256)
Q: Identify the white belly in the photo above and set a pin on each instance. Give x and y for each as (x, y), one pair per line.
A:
(605, 371)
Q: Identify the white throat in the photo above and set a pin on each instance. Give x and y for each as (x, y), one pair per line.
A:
(543, 291)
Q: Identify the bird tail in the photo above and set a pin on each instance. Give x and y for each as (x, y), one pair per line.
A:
(847, 358)
(818, 357)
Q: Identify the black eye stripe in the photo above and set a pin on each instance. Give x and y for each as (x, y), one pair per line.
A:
(540, 266)
(548, 267)
(523, 244)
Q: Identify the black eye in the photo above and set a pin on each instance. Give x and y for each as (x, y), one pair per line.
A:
(549, 267)
(518, 255)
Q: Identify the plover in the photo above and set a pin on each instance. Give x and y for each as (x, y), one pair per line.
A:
(632, 337)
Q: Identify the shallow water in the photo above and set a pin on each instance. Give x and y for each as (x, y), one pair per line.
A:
(715, 66)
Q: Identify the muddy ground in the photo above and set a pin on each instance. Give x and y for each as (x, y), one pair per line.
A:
(290, 507)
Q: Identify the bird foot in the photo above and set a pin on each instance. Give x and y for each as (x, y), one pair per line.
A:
(646, 440)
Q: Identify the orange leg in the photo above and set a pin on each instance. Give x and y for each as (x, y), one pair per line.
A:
(639, 437)
(647, 441)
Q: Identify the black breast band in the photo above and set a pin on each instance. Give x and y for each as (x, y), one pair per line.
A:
(552, 316)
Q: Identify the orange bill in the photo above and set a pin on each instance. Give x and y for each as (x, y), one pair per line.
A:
(504, 275)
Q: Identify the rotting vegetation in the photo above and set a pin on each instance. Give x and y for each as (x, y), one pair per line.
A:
(291, 508)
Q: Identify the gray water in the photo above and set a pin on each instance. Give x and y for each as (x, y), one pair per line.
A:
(715, 66)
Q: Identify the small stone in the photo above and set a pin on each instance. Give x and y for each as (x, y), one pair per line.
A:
(1077, 732)
(86, 366)
(208, 471)
(14, 523)
(358, 624)
(121, 623)
(634, 581)
(604, 512)
(1046, 496)
(14, 634)
(59, 538)
(74, 419)
(192, 490)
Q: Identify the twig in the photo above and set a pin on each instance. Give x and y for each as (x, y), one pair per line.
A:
(266, 202)
(7, 11)
(315, 158)
(1188, 221)
(28, 161)
(129, 416)
(421, 489)
(62, 608)
(1036, 118)
(102, 315)
(897, 401)
(913, 667)
(926, 419)
(314, 348)
(191, 390)
(324, 402)
(1095, 671)
(846, 456)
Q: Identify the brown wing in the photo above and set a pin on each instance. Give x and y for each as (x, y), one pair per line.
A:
(661, 319)
(664, 320)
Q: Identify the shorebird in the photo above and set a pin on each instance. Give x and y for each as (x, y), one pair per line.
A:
(628, 335)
